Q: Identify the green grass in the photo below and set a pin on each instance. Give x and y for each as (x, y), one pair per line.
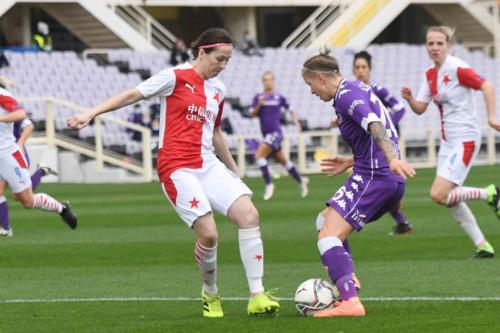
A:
(130, 243)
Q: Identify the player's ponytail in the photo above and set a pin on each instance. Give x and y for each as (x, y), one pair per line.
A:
(321, 63)
(210, 39)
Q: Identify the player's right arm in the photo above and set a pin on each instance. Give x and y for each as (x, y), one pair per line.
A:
(418, 107)
(161, 83)
(256, 105)
(16, 111)
(335, 165)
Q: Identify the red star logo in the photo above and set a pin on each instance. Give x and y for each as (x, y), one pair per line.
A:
(194, 203)
(217, 96)
(259, 257)
(446, 79)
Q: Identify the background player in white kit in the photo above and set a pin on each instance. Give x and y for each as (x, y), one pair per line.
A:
(194, 180)
(449, 84)
(14, 167)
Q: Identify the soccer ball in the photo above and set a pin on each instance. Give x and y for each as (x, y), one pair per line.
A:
(313, 295)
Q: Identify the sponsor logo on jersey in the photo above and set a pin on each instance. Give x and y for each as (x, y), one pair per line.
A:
(200, 114)
(190, 87)
(355, 103)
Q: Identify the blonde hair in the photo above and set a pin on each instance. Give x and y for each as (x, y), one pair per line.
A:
(321, 63)
(267, 73)
(445, 30)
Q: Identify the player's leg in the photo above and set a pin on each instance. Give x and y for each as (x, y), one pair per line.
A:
(5, 229)
(230, 196)
(454, 163)
(339, 263)
(185, 193)
(403, 226)
(40, 172)
(261, 159)
(290, 167)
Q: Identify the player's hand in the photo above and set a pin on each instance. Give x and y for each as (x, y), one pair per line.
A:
(78, 121)
(334, 123)
(401, 168)
(406, 93)
(335, 165)
(495, 124)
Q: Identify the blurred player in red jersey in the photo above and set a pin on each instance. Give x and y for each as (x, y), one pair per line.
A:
(450, 84)
(14, 167)
(194, 180)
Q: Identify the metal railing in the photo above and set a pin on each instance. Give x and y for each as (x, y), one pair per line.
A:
(98, 152)
(147, 26)
(315, 24)
(307, 162)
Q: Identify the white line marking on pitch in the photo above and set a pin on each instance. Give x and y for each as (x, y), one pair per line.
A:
(175, 299)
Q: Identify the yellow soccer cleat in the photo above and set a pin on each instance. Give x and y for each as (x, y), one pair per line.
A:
(263, 303)
(211, 305)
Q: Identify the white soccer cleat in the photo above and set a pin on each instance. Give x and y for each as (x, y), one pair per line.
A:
(304, 187)
(6, 232)
(47, 170)
(268, 194)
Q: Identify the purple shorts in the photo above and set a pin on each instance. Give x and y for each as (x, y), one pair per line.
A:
(362, 200)
(273, 140)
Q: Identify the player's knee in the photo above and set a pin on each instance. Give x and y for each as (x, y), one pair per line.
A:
(208, 237)
(249, 218)
(26, 202)
(438, 196)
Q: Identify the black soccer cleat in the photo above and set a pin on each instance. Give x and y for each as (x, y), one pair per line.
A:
(482, 254)
(67, 215)
(401, 229)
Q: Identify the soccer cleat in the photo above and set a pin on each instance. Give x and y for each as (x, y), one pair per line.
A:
(350, 308)
(263, 303)
(268, 194)
(494, 198)
(401, 229)
(67, 215)
(484, 251)
(211, 305)
(304, 187)
(6, 232)
(47, 170)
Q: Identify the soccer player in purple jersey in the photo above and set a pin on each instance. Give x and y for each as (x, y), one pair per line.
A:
(362, 70)
(378, 180)
(22, 130)
(268, 106)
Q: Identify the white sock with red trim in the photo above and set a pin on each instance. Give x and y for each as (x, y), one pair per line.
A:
(252, 256)
(46, 202)
(467, 221)
(206, 258)
(461, 194)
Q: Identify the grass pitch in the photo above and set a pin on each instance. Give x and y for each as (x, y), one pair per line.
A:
(129, 266)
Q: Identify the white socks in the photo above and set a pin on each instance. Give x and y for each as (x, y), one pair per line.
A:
(467, 221)
(46, 202)
(252, 256)
(461, 194)
(206, 258)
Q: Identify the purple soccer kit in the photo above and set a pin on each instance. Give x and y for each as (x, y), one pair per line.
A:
(372, 189)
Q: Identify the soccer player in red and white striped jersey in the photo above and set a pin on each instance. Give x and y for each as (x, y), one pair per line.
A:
(194, 180)
(450, 84)
(14, 167)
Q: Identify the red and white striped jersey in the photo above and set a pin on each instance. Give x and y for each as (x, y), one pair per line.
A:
(191, 107)
(7, 140)
(450, 87)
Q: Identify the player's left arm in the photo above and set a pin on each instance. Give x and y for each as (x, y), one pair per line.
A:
(467, 77)
(16, 111)
(397, 166)
(222, 150)
(27, 129)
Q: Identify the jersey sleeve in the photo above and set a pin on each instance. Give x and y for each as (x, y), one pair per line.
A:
(467, 77)
(424, 93)
(9, 103)
(160, 84)
(25, 123)
(284, 103)
(255, 100)
(358, 109)
(219, 114)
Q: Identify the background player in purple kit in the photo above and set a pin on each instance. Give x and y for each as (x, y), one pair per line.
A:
(376, 185)
(362, 70)
(268, 106)
(22, 130)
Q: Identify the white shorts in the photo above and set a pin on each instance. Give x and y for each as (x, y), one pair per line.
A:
(14, 170)
(194, 192)
(455, 159)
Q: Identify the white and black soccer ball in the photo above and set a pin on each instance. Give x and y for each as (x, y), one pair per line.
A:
(313, 295)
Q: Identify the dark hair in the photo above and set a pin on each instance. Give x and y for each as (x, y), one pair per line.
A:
(363, 55)
(210, 36)
(321, 63)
